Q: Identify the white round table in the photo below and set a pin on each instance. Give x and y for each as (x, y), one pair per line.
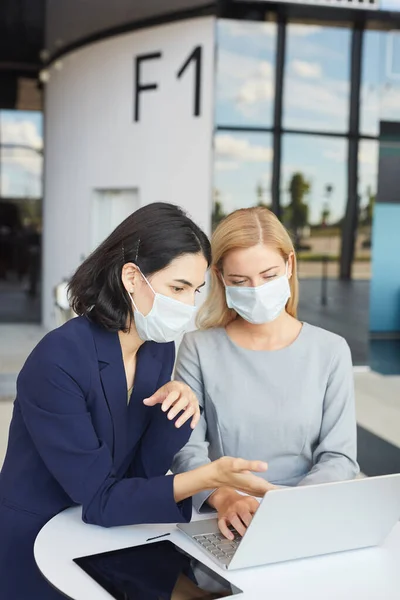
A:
(371, 574)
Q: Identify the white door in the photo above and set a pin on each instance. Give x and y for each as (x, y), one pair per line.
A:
(109, 209)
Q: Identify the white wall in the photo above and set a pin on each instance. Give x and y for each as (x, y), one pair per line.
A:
(92, 140)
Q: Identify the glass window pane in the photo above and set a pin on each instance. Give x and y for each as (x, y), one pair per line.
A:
(242, 172)
(380, 91)
(20, 215)
(313, 200)
(21, 159)
(245, 73)
(368, 157)
(317, 71)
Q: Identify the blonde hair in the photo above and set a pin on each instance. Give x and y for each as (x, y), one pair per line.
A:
(244, 228)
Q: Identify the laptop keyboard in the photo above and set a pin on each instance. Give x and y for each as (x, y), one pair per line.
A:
(219, 546)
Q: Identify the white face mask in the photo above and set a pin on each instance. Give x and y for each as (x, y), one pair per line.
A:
(167, 320)
(260, 304)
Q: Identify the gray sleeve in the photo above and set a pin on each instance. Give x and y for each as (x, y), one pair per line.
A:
(335, 457)
(195, 453)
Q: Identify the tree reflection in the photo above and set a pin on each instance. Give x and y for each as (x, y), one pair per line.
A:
(218, 213)
(297, 213)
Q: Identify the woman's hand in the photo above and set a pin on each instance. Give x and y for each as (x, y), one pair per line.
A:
(176, 397)
(233, 509)
(235, 473)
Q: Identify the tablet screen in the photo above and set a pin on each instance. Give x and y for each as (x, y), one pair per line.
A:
(155, 571)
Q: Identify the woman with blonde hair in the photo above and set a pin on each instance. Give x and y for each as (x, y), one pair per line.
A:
(269, 385)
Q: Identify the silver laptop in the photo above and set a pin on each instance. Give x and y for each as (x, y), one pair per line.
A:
(300, 522)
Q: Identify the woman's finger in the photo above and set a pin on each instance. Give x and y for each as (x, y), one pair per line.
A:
(252, 505)
(236, 522)
(189, 411)
(224, 529)
(240, 464)
(196, 418)
(252, 485)
(245, 515)
(179, 405)
(170, 400)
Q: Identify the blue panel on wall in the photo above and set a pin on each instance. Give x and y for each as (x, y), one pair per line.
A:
(385, 284)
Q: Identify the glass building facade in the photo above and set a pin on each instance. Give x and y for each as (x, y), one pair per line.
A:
(298, 112)
(21, 166)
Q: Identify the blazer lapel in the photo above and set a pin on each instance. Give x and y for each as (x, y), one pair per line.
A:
(128, 424)
(113, 379)
(148, 370)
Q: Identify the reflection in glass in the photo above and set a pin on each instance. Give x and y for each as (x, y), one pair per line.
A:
(159, 570)
(242, 172)
(380, 89)
(371, 82)
(245, 73)
(316, 92)
(21, 154)
(367, 188)
(313, 200)
(20, 215)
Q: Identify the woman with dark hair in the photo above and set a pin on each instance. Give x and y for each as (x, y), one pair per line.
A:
(86, 429)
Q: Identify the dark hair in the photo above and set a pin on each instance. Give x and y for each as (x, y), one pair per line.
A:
(152, 237)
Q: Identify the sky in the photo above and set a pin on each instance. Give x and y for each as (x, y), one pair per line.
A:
(21, 168)
(316, 93)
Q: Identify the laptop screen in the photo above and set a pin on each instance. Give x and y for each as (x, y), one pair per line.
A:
(156, 571)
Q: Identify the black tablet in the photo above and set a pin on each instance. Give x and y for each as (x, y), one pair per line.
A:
(155, 571)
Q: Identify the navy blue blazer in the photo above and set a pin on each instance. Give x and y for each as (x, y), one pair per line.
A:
(74, 440)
